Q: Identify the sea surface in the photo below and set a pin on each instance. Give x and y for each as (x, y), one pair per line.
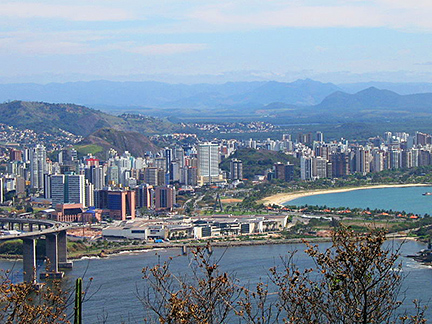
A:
(113, 296)
(409, 199)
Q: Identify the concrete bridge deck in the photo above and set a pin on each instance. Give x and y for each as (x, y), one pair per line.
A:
(32, 229)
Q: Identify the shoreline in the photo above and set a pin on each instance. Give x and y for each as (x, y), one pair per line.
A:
(178, 245)
(224, 244)
(281, 198)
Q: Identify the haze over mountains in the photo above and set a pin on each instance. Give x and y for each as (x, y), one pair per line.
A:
(234, 98)
(114, 95)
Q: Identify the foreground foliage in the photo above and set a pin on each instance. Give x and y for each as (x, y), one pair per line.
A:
(357, 280)
(25, 303)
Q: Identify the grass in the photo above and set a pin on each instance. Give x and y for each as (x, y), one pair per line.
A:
(90, 148)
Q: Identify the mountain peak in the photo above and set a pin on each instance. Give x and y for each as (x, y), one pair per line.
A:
(375, 90)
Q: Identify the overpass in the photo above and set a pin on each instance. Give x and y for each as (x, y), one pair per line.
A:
(31, 229)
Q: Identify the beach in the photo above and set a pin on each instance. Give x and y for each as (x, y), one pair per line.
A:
(281, 198)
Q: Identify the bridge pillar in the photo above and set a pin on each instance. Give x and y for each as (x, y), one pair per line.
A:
(11, 226)
(62, 250)
(29, 260)
(21, 226)
(31, 227)
(52, 257)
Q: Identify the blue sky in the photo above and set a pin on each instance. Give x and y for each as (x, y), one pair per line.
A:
(215, 41)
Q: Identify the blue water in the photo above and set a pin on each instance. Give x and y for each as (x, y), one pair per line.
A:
(117, 280)
(409, 199)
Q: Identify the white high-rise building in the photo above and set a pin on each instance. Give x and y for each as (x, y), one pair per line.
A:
(89, 194)
(179, 155)
(378, 161)
(208, 162)
(98, 177)
(38, 166)
(2, 190)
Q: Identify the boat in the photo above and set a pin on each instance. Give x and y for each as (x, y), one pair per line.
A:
(427, 194)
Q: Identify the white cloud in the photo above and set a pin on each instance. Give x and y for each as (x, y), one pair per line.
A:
(28, 10)
(45, 47)
(167, 49)
(343, 13)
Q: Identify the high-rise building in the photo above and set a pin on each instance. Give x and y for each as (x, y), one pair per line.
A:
(113, 174)
(319, 168)
(395, 159)
(98, 177)
(75, 189)
(89, 194)
(165, 197)
(2, 190)
(179, 155)
(306, 168)
(340, 164)
(66, 189)
(120, 204)
(15, 155)
(208, 162)
(145, 196)
(189, 176)
(378, 161)
(38, 166)
(362, 160)
(20, 185)
(168, 154)
(284, 172)
(174, 171)
(160, 163)
(57, 186)
(236, 169)
(151, 176)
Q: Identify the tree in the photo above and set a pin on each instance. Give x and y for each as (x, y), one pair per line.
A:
(50, 302)
(356, 280)
(24, 303)
(205, 298)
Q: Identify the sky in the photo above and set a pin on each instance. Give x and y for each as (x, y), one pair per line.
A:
(216, 41)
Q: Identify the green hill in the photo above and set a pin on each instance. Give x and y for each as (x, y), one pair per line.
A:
(256, 161)
(79, 120)
(41, 116)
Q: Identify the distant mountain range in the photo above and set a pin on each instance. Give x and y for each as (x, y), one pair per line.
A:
(273, 100)
(163, 95)
(376, 100)
(164, 99)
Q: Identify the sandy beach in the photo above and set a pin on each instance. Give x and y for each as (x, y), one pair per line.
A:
(281, 198)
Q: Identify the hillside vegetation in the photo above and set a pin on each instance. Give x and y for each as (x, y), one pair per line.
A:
(102, 140)
(79, 120)
(256, 161)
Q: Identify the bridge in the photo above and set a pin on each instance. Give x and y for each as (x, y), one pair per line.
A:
(32, 229)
